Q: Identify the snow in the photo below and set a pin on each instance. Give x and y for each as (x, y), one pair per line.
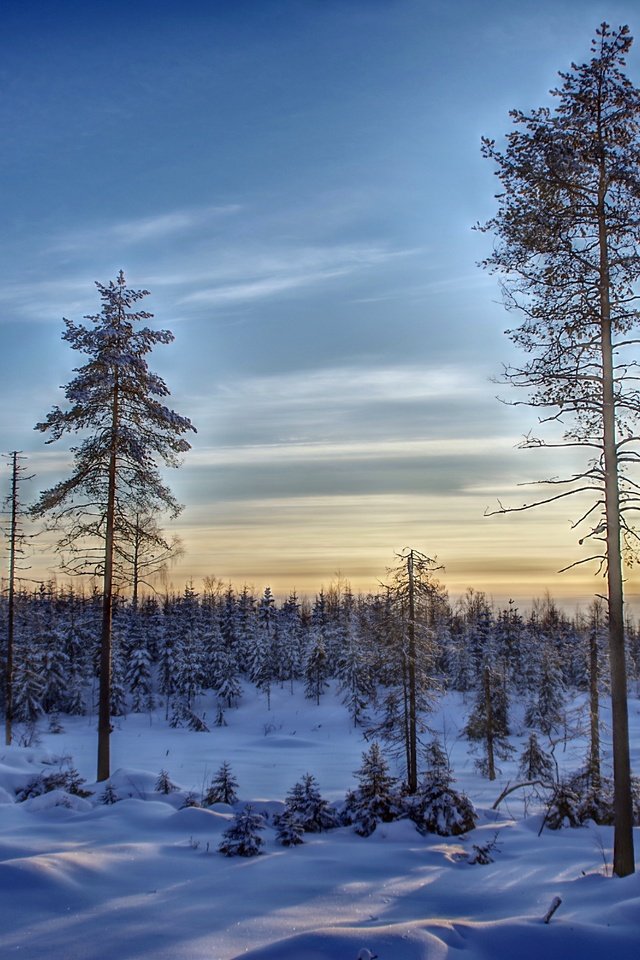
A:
(142, 879)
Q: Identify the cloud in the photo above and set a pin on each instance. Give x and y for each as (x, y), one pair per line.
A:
(258, 274)
(149, 229)
(259, 289)
(336, 386)
(351, 452)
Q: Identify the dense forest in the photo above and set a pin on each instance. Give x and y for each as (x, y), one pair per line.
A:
(173, 650)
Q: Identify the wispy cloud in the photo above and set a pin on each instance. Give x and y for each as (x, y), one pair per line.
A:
(380, 450)
(252, 273)
(360, 384)
(149, 229)
(259, 289)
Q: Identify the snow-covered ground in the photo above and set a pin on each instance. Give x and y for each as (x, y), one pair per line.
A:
(142, 878)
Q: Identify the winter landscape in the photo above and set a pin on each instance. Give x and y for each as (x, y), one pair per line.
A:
(131, 867)
(361, 679)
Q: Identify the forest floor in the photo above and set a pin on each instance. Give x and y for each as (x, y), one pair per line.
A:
(142, 879)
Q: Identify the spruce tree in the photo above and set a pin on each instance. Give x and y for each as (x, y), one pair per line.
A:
(374, 800)
(223, 787)
(242, 838)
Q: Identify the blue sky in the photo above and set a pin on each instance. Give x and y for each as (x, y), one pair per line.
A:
(296, 184)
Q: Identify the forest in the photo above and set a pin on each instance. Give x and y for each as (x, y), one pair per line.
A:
(182, 652)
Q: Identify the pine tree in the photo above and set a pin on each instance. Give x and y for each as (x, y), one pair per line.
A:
(305, 803)
(117, 399)
(568, 248)
(353, 671)
(316, 669)
(289, 829)
(223, 787)
(535, 764)
(488, 722)
(242, 838)
(164, 783)
(437, 807)
(374, 800)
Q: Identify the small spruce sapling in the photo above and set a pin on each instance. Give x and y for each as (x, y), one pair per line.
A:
(306, 805)
(164, 783)
(483, 852)
(223, 787)
(289, 828)
(108, 796)
(242, 838)
(375, 799)
(437, 807)
(535, 763)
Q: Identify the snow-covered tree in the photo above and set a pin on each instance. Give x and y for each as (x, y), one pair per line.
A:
(415, 601)
(223, 787)
(164, 784)
(289, 829)
(374, 800)
(242, 838)
(305, 803)
(118, 401)
(437, 807)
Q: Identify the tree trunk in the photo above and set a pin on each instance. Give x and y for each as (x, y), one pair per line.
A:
(135, 577)
(491, 763)
(594, 706)
(13, 533)
(412, 771)
(623, 856)
(104, 709)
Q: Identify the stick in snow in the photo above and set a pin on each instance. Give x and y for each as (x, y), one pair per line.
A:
(555, 903)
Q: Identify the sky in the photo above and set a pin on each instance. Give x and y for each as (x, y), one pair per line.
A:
(296, 183)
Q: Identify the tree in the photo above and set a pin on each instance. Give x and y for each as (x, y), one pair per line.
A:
(438, 807)
(374, 800)
(144, 550)
(568, 247)
(118, 401)
(223, 787)
(415, 601)
(16, 538)
(305, 804)
(242, 838)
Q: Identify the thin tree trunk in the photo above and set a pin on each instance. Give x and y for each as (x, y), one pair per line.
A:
(136, 562)
(491, 764)
(13, 533)
(594, 706)
(623, 855)
(412, 772)
(104, 700)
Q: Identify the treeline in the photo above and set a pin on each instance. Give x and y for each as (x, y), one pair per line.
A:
(171, 651)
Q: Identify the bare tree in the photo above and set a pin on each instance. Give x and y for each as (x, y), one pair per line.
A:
(144, 551)
(115, 398)
(568, 250)
(16, 541)
(415, 599)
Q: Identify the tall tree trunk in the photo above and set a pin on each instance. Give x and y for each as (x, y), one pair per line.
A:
(104, 710)
(489, 734)
(623, 856)
(594, 706)
(13, 535)
(135, 577)
(412, 772)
